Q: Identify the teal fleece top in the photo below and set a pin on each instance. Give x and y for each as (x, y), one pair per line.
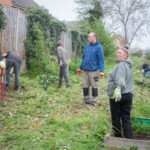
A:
(121, 76)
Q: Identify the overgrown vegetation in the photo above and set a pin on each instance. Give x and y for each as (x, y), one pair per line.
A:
(2, 19)
(43, 33)
(35, 118)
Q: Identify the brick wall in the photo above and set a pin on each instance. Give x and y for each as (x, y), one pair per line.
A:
(6, 3)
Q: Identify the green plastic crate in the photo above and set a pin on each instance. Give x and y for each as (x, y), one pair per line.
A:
(141, 120)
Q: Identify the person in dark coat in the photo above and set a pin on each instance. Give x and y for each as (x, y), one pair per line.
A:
(14, 60)
(145, 68)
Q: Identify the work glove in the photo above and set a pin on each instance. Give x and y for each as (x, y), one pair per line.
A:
(138, 71)
(117, 95)
(101, 75)
(2, 64)
(79, 72)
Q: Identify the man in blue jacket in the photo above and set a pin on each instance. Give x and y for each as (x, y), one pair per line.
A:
(92, 66)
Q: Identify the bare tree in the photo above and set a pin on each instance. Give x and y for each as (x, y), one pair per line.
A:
(131, 17)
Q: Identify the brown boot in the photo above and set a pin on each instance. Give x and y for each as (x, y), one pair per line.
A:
(60, 85)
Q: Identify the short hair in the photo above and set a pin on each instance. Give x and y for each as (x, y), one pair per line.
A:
(94, 34)
(59, 43)
(126, 49)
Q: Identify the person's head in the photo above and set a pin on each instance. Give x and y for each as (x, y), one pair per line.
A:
(59, 43)
(145, 62)
(122, 53)
(92, 38)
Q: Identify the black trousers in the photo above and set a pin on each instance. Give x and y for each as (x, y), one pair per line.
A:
(121, 111)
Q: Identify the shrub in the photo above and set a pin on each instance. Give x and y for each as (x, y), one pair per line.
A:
(43, 32)
(2, 19)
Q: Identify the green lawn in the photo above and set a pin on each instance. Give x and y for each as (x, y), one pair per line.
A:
(56, 119)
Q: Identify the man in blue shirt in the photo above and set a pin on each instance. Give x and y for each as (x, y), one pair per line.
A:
(92, 66)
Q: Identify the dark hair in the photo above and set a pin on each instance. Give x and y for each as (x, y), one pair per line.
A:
(59, 43)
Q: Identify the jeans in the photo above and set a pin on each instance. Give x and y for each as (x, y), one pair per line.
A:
(146, 73)
(63, 73)
(121, 111)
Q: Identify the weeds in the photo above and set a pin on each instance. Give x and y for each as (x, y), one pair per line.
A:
(55, 118)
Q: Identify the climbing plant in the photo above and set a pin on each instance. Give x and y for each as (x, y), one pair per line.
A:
(79, 38)
(43, 31)
(2, 19)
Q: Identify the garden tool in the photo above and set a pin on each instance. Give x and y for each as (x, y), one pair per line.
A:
(2, 66)
(2, 71)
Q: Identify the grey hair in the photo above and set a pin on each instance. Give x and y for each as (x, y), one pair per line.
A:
(126, 49)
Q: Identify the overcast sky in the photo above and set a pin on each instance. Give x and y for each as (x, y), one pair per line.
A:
(65, 10)
(61, 9)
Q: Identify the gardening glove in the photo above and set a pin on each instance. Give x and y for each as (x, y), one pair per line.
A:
(117, 95)
(79, 72)
(138, 71)
(2, 64)
(101, 75)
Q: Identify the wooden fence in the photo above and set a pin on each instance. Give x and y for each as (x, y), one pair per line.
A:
(13, 36)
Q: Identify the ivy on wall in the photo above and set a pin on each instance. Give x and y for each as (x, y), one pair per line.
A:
(43, 31)
(2, 19)
(79, 38)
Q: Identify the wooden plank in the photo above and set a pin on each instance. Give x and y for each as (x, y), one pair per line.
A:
(8, 35)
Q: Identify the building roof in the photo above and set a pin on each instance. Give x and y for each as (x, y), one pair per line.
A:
(23, 4)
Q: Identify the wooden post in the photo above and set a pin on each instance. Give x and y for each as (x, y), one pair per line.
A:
(17, 30)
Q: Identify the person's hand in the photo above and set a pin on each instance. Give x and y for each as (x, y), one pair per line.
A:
(102, 75)
(61, 63)
(4, 55)
(138, 71)
(79, 72)
(117, 95)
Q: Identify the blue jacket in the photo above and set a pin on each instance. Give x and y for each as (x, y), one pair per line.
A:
(93, 58)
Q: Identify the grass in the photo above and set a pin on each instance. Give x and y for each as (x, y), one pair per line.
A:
(56, 119)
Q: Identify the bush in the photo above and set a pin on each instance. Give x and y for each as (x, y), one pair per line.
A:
(43, 32)
(137, 54)
(2, 19)
(147, 55)
(104, 37)
(74, 65)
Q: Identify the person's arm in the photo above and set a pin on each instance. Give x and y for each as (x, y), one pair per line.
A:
(59, 53)
(4, 55)
(120, 82)
(141, 68)
(101, 59)
(121, 77)
(81, 66)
